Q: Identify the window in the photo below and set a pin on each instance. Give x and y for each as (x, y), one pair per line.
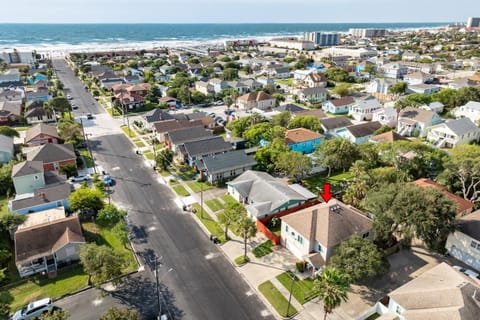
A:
(36, 178)
(473, 244)
(286, 228)
(319, 248)
(365, 235)
(300, 239)
(398, 310)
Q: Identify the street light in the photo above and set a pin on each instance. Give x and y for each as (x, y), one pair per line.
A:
(85, 137)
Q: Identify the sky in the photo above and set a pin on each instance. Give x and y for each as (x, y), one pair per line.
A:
(238, 11)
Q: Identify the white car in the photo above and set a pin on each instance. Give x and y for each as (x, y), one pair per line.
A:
(33, 309)
(80, 178)
(468, 272)
(69, 97)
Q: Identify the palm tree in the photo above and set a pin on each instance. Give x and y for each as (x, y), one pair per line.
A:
(332, 286)
(247, 229)
(230, 215)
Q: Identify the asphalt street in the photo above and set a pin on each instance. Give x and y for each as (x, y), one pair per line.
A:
(197, 282)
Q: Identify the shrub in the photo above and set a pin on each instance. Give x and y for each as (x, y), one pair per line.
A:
(300, 266)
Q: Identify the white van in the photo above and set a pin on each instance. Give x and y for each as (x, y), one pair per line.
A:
(33, 309)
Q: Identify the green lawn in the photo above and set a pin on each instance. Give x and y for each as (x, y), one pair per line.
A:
(212, 225)
(276, 299)
(3, 206)
(319, 180)
(228, 199)
(302, 290)
(214, 204)
(241, 260)
(165, 173)
(197, 186)
(130, 133)
(287, 82)
(149, 155)
(68, 280)
(86, 157)
(105, 236)
(185, 171)
(139, 143)
(180, 190)
(263, 249)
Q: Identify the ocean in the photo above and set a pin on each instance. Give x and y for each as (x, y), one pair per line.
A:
(87, 37)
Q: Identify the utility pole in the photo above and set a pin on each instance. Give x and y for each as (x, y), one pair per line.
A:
(290, 295)
(201, 200)
(85, 137)
(159, 314)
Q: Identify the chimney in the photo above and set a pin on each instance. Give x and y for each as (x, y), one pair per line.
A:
(313, 228)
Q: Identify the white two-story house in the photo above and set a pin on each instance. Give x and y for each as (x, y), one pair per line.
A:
(453, 133)
(470, 110)
(464, 243)
(311, 234)
(414, 122)
(363, 109)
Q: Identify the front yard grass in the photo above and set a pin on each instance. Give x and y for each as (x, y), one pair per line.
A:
(139, 143)
(302, 289)
(228, 199)
(263, 249)
(180, 190)
(149, 155)
(336, 179)
(130, 133)
(241, 260)
(87, 158)
(276, 299)
(214, 204)
(68, 280)
(212, 226)
(287, 82)
(197, 186)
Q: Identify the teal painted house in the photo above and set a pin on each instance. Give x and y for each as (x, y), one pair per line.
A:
(303, 140)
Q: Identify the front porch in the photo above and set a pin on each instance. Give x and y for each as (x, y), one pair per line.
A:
(46, 264)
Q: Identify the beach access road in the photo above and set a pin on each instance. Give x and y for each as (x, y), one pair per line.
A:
(196, 280)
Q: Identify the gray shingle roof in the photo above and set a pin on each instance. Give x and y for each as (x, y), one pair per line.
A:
(227, 161)
(364, 129)
(157, 115)
(6, 144)
(335, 122)
(27, 168)
(43, 195)
(205, 147)
(461, 126)
(52, 153)
(188, 135)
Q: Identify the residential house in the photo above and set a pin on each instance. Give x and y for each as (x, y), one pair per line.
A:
(10, 112)
(10, 76)
(436, 107)
(439, 293)
(338, 106)
(53, 156)
(224, 166)
(204, 87)
(48, 197)
(380, 86)
(218, 85)
(265, 81)
(169, 101)
(464, 207)
(7, 150)
(238, 86)
(48, 246)
(470, 110)
(163, 127)
(415, 121)
(197, 150)
(317, 113)
(410, 56)
(155, 115)
(313, 80)
(259, 100)
(330, 126)
(132, 79)
(264, 195)
(290, 107)
(312, 95)
(453, 133)
(279, 72)
(12, 94)
(300, 75)
(174, 139)
(464, 243)
(28, 176)
(41, 134)
(394, 70)
(388, 137)
(35, 112)
(303, 140)
(359, 133)
(386, 116)
(423, 88)
(363, 109)
(42, 95)
(131, 101)
(418, 77)
(312, 234)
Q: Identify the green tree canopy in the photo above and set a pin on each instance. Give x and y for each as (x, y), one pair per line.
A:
(342, 89)
(405, 210)
(6, 182)
(85, 199)
(60, 104)
(307, 122)
(282, 119)
(294, 165)
(9, 132)
(414, 100)
(266, 157)
(332, 287)
(398, 88)
(110, 215)
(164, 158)
(337, 74)
(337, 154)
(230, 215)
(54, 314)
(359, 259)
(247, 228)
(257, 132)
(115, 313)
(101, 263)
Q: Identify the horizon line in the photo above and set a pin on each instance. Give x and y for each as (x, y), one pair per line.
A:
(206, 23)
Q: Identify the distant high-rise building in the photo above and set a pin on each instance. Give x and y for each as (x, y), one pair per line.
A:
(323, 39)
(473, 22)
(367, 33)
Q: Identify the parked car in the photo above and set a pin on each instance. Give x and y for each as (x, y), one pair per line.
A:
(218, 103)
(107, 180)
(33, 309)
(221, 122)
(211, 114)
(228, 112)
(84, 177)
(89, 116)
(69, 97)
(74, 107)
(467, 272)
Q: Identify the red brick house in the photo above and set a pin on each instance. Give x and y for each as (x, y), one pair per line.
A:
(41, 134)
(53, 156)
